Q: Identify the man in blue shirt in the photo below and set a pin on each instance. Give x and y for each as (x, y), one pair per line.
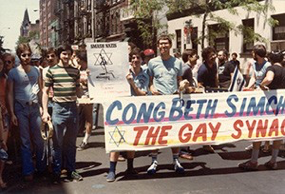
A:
(165, 76)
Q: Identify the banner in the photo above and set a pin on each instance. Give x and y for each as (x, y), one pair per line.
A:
(108, 64)
(153, 122)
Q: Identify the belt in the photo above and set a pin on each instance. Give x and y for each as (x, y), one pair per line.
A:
(28, 103)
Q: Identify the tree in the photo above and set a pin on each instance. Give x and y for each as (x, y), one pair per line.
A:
(2, 50)
(146, 13)
(206, 8)
(24, 39)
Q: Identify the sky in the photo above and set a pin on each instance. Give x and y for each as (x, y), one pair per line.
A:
(11, 17)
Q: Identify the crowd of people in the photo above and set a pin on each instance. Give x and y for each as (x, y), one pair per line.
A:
(32, 96)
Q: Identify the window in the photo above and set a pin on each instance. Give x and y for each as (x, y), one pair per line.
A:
(178, 40)
(248, 29)
(279, 30)
(218, 36)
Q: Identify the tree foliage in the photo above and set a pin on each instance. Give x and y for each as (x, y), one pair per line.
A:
(24, 39)
(146, 14)
(2, 49)
(207, 8)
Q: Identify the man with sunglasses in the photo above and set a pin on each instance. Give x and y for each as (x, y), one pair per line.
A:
(23, 90)
(9, 62)
(65, 81)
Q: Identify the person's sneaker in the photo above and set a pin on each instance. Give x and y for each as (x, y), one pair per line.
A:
(111, 177)
(121, 158)
(82, 146)
(249, 166)
(271, 165)
(152, 169)
(178, 167)
(75, 176)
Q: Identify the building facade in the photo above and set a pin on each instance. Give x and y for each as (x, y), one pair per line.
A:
(232, 41)
(47, 19)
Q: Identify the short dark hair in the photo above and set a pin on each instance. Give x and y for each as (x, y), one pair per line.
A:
(136, 51)
(235, 54)
(65, 47)
(82, 55)
(259, 50)
(225, 52)
(275, 57)
(187, 53)
(21, 48)
(50, 50)
(206, 51)
(164, 37)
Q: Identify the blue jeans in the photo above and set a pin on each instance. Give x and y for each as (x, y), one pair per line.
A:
(29, 121)
(65, 123)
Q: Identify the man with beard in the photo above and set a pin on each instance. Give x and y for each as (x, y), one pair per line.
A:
(208, 76)
(23, 88)
(207, 73)
(225, 69)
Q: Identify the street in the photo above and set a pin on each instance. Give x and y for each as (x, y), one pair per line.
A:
(208, 173)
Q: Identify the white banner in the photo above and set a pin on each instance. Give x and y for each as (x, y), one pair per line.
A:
(108, 64)
(152, 122)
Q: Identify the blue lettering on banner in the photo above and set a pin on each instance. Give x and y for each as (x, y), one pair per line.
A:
(145, 113)
(231, 105)
(133, 113)
(269, 104)
(257, 109)
(211, 107)
(159, 115)
(109, 112)
(176, 108)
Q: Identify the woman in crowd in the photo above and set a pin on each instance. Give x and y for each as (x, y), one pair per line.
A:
(274, 79)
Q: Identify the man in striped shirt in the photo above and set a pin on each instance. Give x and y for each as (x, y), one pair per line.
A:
(64, 80)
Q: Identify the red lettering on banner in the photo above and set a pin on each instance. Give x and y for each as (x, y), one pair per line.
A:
(140, 131)
(274, 128)
(151, 135)
(164, 133)
(215, 130)
(283, 128)
(154, 134)
(186, 135)
(261, 129)
(201, 131)
(250, 127)
(237, 125)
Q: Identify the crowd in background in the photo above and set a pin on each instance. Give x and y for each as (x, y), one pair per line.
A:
(36, 95)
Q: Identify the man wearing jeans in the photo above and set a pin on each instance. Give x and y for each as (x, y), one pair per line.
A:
(64, 80)
(23, 87)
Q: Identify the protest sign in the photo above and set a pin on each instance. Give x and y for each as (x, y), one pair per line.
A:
(108, 64)
(154, 122)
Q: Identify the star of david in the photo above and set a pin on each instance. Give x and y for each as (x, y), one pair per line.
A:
(117, 136)
(238, 81)
(103, 58)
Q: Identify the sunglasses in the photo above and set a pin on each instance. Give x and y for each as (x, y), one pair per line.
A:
(25, 55)
(8, 62)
